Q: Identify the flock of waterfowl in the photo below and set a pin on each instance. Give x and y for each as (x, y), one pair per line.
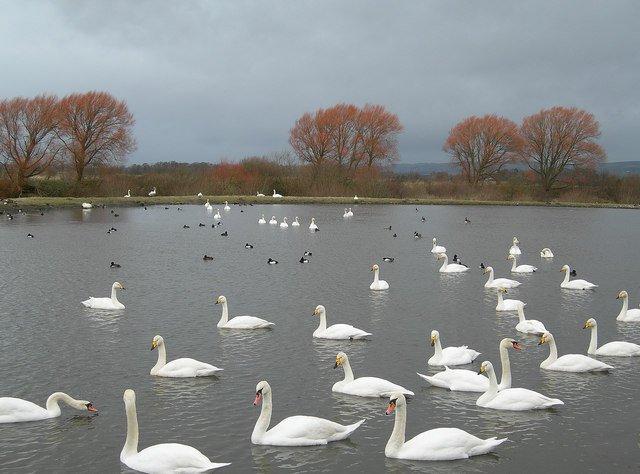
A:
(435, 444)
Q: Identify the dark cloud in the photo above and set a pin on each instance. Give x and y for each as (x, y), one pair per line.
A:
(225, 79)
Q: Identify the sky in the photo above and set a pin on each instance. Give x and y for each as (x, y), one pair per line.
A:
(222, 80)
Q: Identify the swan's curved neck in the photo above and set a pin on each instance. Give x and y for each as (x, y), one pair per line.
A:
(53, 401)
(262, 424)
(396, 440)
(553, 354)
(500, 300)
(438, 348)
(493, 382)
(114, 296)
(490, 280)
(593, 343)
(505, 380)
(566, 276)
(224, 319)
(625, 307)
(521, 317)
(376, 275)
(445, 263)
(162, 358)
(130, 447)
(348, 373)
(323, 321)
(513, 263)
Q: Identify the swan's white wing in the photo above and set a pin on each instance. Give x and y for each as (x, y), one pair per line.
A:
(460, 380)
(171, 457)
(632, 315)
(458, 355)
(455, 268)
(444, 444)
(344, 331)
(619, 348)
(372, 387)
(578, 363)
(531, 326)
(520, 399)
(247, 322)
(13, 410)
(100, 303)
(505, 283)
(186, 367)
(305, 430)
(509, 305)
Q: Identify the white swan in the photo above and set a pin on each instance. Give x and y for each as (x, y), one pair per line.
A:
(450, 267)
(439, 444)
(626, 314)
(574, 284)
(499, 282)
(515, 268)
(106, 303)
(346, 213)
(313, 225)
(507, 305)
(262, 220)
(217, 215)
(569, 362)
(450, 355)
(128, 195)
(15, 410)
(515, 250)
(437, 248)
(184, 367)
(614, 349)
(273, 220)
(239, 322)
(153, 192)
(283, 224)
(199, 195)
(335, 331)
(295, 222)
(294, 430)
(350, 213)
(363, 386)
(546, 253)
(208, 206)
(463, 380)
(529, 326)
(276, 195)
(513, 399)
(355, 198)
(86, 205)
(377, 284)
(226, 206)
(159, 458)
(260, 195)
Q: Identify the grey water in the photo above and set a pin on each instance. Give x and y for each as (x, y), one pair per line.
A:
(50, 342)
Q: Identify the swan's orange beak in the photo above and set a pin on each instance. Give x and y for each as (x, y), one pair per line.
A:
(390, 408)
(257, 400)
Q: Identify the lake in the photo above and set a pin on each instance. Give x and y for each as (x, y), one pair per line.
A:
(50, 342)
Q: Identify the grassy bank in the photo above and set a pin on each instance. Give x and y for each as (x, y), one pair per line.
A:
(42, 202)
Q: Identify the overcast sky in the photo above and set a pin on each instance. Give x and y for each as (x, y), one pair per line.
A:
(211, 80)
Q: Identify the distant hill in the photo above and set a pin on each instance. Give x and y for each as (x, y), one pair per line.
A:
(619, 168)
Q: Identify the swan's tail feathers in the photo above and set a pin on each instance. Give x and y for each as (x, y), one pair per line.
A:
(553, 402)
(361, 336)
(487, 446)
(87, 303)
(349, 429)
(433, 381)
(408, 392)
(216, 465)
(269, 325)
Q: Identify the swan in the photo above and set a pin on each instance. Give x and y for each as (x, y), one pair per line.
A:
(217, 215)
(335, 331)
(463, 380)
(199, 195)
(436, 249)
(450, 355)
(569, 362)
(128, 195)
(294, 430)
(295, 222)
(363, 386)
(15, 410)
(626, 314)
(260, 195)
(262, 220)
(515, 250)
(106, 303)
(439, 444)
(159, 458)
(184, 367)
(313, 225)
(377, 283)
(546, 253)
(86, 205)
(350, 213)
(614, 349)
(276, 195)
(283, 224)
(355, 198)
(513, 399)
(450, 267)
(529, 326)
(574, 284)
(239, 322)
(226, 206)
(273, 220)
(515, 268)
(208, 206)
(346, 213)
(499, 282)
(507, 305)
(153, 192)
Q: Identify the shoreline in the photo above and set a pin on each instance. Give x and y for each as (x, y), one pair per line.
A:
(44, 202)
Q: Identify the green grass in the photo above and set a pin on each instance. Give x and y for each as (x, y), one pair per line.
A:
(41, 202)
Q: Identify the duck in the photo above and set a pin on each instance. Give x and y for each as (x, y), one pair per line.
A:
(114, 265)
(178, 368)
(30, 235)
(388, 259)
(313, 225)
(159, 458)
(294, 430)
(450, 267)
(546, 253)
(515, 268)
(423, 219)
(574, 284)
(128, 195)
(515, 250)
(499, 282)
(271, 261)
(153, 192)
(259, 194)
(467, 220)
(207, 257)
(295, 222)
(439, 444)
(363, 386)
(201, 225)
(336, 331)
(273, 221)
(612, 349)
(276, 195)
(461, 355)
(377, 285)
(457, 259)
(86, 205)
(528, 326)
(225, 234)
(106, 303)
(262, 220)
(463, 380)
(417, 235)
(17, 410)
(307, 253)
(512, 399)
(283, 224)
(569, 362)
(239, 322)
(481, 266)
(248, 246)
(508, 304)
(303, 260)
(437, 249)
(626, 314)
